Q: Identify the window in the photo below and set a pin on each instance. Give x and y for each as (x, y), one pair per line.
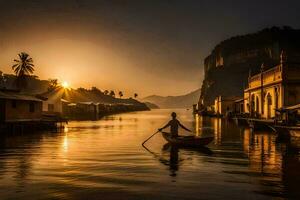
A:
(31, 107)
(50, 107)
(14, 104)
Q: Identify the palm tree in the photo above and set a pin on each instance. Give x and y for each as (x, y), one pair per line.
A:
(112, 93)
(121, 94)
(53, 84)
(135, 95)
(23, 67)
(106, 92)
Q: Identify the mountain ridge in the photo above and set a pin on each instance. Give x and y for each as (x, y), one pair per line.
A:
(180, 101)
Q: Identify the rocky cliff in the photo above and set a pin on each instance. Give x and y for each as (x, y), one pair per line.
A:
(228, 66)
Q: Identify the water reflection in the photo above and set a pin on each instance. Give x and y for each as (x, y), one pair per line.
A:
(105, 159)
(173, 161)
(267, 156)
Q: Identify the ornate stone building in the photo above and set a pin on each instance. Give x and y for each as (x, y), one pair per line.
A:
(274, 88)
(226, 68)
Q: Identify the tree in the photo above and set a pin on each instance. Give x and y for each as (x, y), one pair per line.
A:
(112, 93)
(23, 67)
(53, 84)
(121, 94)
(106, 92)
(1, 78)
(135, 95)
(81, 90)
(95, 90)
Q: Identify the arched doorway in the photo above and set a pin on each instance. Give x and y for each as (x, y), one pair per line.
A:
(257, 105)
(269, 105)
(276, 98)
(252, 104)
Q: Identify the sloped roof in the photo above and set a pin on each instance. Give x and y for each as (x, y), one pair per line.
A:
(87, 103)
(17, 96)
(63, 100)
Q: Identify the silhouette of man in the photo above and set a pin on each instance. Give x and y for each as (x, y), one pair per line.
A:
(174, 124)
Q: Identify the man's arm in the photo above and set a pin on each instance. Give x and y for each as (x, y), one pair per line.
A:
(167, 125)
(185, 128)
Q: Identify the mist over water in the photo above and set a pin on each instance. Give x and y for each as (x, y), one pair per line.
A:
(105, 160)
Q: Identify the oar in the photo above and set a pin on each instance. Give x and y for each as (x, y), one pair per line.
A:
(150, 137)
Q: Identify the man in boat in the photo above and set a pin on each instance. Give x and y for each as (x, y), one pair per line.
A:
(174, 124)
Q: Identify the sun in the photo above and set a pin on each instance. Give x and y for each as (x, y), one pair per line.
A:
(65, 85)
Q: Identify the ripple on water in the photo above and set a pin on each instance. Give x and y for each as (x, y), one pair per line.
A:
(104, 158)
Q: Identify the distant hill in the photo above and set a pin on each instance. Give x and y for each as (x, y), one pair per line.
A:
(183, 101)
(39, 87)
(95, 95)
(34, 84)
(151, 105)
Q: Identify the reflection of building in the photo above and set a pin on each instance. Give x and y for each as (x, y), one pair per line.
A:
(217, 124)
(16, 107)
(272, 89)
(262, 152)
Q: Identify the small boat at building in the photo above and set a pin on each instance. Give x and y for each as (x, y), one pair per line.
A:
(187, 141)
(288, 121)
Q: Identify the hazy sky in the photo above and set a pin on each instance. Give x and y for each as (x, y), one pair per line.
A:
(148, 47)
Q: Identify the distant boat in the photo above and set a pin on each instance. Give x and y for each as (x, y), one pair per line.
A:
(187, 141)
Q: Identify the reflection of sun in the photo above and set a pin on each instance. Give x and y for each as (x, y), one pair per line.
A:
(65, 143)
(65, 84)
(66, 129)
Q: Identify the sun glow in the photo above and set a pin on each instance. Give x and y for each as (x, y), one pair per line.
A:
(66, 85)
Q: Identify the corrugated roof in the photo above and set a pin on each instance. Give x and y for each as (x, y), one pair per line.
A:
(17, 96)
(86, 103)
(63, 100)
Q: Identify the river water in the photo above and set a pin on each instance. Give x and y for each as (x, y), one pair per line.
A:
(105, 160)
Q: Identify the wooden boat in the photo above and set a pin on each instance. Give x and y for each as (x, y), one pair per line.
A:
(261, 124)
(187, 141)
(294, 131)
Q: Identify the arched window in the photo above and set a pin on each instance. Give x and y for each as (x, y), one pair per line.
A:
(252, 103)
(269, 99)
(257, 105)
(269, 105)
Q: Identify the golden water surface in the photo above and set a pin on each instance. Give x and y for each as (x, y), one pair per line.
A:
(105, 160)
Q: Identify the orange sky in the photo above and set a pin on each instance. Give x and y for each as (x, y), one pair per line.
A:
(84, 63)
(134, 46)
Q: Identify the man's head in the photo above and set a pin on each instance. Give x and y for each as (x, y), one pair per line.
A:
(173, 115)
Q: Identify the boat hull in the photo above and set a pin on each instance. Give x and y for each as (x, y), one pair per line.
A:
(294, 131)
(187, 141)
(260, 124)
